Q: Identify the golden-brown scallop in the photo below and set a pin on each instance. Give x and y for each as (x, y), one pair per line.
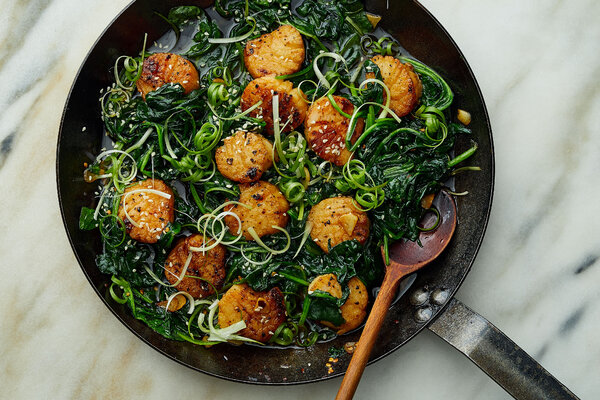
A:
(268, 208)
(292, 106)
(280, 52)
(162, 68)
(327, 283)
(336, 220)
(262, 312)
(244, 157)
(208, 265)
(404, 84)
(149, 211)
(354, 309)
(325, 129)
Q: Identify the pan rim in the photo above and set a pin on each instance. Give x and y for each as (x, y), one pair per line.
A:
(336, 374)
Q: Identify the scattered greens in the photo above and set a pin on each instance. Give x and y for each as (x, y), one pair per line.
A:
(336, 352)
(172, 136)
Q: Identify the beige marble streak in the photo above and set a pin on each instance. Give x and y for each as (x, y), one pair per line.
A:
(13, 25)
(537, 63)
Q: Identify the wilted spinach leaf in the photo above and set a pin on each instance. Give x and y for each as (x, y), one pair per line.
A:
(128, 262)
(182, 14)
(206, 30)
(86, 219)
(325, 309)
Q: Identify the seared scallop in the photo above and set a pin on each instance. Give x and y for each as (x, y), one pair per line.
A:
(327, 283)
(354, 309)
(280, 52)
(336, 220)
(244, 157)
(162, 68)
(404, 84)
(268, 207)
(146, 208)
(205, 272)
(292, 106)
(326, 129)
(262, 312)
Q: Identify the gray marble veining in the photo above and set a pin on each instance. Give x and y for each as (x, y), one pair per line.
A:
(536, 277)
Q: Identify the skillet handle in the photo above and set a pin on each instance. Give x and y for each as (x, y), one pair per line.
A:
(498, 356)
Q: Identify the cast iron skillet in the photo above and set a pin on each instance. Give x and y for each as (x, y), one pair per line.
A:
(429, 298)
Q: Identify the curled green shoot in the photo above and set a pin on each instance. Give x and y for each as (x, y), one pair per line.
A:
(446, 95)
(463, 156)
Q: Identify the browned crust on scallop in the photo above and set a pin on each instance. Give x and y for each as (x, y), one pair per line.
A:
(262, 312)
(327, 283)
(354, 309)
(404, 84)
(244, 157)
(336, 220)
(162, 68)
(292, 106)
(209, 265)
(150, 211)
(325, 129)
(269, 208)
(280, 52)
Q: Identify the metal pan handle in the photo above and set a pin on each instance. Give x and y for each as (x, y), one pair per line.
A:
(498, 356)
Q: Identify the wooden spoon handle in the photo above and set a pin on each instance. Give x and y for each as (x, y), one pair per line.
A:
(387, 292)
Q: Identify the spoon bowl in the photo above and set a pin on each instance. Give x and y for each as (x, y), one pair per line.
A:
(432, 242)
(405, 257)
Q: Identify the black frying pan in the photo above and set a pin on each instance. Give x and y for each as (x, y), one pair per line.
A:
(429, 300)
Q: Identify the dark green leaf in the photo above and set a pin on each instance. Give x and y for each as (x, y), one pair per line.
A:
(128, 262)
(325, 309)
(336, 352)
(180, 15)
(202, 46)
(86, 219)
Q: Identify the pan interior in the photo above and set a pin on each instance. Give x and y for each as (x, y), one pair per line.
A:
(423, 37)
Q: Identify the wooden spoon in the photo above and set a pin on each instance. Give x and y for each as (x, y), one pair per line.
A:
(406, 257)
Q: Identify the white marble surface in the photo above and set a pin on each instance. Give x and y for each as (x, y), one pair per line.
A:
(536, 277)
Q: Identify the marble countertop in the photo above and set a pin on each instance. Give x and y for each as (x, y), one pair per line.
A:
(536, 277)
